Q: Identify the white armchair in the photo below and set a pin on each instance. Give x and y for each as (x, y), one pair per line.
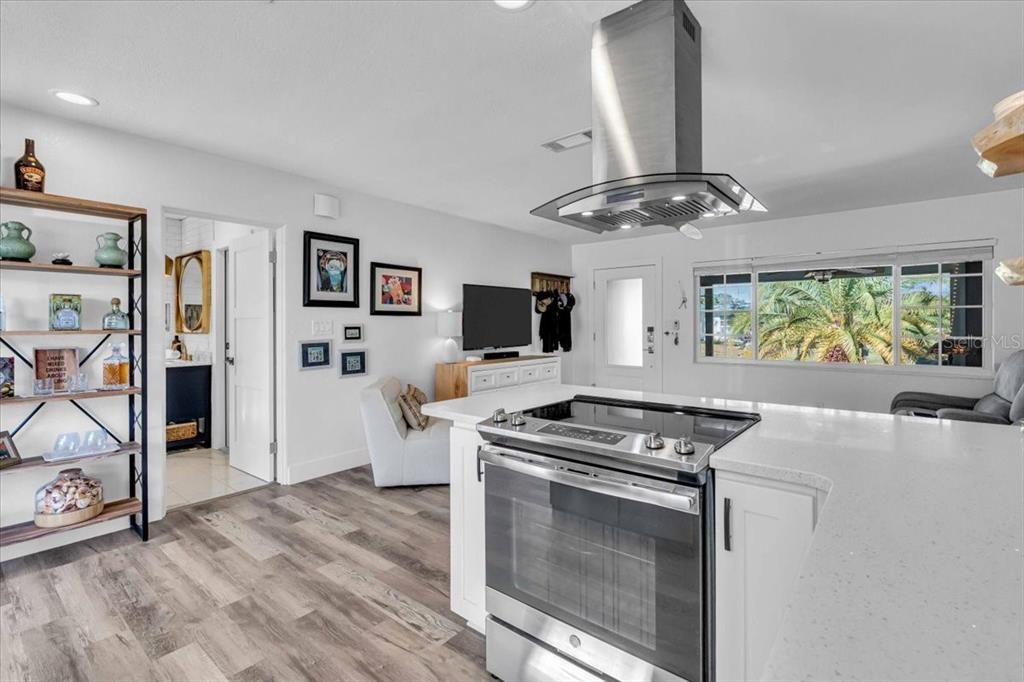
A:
(400, 455)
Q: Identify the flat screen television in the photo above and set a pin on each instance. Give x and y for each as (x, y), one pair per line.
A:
(496, 317)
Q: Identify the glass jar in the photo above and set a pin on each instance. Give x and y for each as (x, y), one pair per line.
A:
(116, 370)
(72, 497)
(116, 319)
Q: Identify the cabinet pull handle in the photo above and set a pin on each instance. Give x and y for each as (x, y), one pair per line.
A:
(479, 469)
(728, 525)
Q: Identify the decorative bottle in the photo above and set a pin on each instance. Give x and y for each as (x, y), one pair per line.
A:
(116, 319)
(115, 370)
(28, 172)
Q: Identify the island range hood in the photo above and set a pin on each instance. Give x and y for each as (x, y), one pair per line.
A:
(645, 73)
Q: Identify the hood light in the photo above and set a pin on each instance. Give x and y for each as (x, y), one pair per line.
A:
(75, 98)
(513, 5)
(587, 214)
(625, 227)
(690, 231)
(679, 198)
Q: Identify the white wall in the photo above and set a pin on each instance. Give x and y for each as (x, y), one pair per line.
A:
(320, 429)
(997, 215)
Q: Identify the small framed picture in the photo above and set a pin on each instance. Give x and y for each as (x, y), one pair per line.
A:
(8, 452)
(315, 354)
(6, 377)
(395, 289)
(352, 333)
(65, 312)
(330, 270)
(352, 363)
(58, 364)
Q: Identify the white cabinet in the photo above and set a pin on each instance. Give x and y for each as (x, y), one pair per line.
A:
(482, 381)
(468, 560)
(762, 531)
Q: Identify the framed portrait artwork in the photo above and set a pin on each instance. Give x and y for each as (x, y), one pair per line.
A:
(352, 333)
(352, 363)
(395, 289)
(315, 354)
(330, 271)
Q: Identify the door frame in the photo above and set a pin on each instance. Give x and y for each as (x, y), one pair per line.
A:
(658, 316)
(277, 379)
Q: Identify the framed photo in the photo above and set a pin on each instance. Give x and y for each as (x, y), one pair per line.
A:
(65, 312)
(6, 377)
(57, 364)
(352, 333)
(395, 289)
(8, 452)
(316, 354)
(352, 363)
(330, 271)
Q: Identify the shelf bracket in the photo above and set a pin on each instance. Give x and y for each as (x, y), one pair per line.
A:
(17, 352)
(27, 419)
(96, 421)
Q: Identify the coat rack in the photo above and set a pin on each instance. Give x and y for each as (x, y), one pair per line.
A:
(545, 281)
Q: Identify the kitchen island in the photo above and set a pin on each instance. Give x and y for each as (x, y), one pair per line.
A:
(914, 570)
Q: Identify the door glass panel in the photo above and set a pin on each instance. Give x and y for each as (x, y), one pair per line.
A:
(624, 328)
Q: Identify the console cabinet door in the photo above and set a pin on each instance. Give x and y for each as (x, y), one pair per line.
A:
(768, 534)
(468, 560)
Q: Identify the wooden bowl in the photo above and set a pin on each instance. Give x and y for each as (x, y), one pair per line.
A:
(68, 518)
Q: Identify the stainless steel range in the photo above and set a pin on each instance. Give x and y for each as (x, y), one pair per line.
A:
(599, 539)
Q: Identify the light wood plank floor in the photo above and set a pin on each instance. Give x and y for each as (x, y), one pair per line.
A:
(331, 579)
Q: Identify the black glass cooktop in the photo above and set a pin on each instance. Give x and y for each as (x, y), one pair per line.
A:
(714, 427)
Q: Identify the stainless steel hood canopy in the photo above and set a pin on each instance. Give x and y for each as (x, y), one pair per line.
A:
(646, 79)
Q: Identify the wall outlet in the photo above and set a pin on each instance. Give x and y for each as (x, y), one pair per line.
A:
(323, 328)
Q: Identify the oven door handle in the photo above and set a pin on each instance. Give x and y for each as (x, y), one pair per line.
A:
(678, 498)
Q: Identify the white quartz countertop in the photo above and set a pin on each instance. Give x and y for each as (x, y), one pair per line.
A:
(916, 567)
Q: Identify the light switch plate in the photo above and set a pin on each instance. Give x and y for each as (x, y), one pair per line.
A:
(323, 328)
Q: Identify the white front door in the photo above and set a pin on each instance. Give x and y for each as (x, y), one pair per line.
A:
(250, 332)
(627, 345)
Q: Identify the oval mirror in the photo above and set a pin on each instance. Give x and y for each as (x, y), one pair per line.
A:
(194, 292)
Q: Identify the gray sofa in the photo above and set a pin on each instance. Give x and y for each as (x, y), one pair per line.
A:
(400, 455)
(1004, 405)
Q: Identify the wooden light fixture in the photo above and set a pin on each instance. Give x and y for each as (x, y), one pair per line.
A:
(1001, 144)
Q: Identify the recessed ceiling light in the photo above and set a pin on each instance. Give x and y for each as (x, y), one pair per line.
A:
(513, 5)
(75, 98)
(587, 213)
(690, 231)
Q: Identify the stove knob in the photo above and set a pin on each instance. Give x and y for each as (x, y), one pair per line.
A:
(500, 416)
(654, 441)
(684, 446)
(518, 419)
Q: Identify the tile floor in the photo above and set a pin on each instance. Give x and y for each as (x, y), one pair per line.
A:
(199, 475)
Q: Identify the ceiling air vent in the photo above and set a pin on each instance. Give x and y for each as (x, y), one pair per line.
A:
(571, 141)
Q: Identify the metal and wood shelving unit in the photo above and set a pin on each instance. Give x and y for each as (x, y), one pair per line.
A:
(136, 447)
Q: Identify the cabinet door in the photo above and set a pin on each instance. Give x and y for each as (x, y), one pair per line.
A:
(468, 560)
(769, 531)
(482, 381)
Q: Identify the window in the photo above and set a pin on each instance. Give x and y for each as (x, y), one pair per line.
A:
(725, 316)
(886, 311)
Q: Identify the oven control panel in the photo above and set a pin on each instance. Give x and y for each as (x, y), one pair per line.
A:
(579, 433)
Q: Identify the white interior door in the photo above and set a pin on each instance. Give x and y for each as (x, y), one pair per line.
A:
(250, 332)
(627, 345)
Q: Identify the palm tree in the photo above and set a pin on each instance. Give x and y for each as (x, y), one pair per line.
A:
(841, 320)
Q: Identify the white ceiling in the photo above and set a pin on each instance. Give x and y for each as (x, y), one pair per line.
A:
(813, 106)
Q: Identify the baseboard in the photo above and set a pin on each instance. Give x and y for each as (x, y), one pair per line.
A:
(303, 471)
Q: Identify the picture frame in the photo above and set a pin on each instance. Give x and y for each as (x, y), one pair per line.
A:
(6, 377)
(65, 312)
(316, 354)
(352, 333)
(8, 451)
(330, 270)
(396, 289)
(352, 363)
(58, 364)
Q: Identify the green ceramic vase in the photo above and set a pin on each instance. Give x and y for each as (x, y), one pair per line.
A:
(14, 243)
(109, 254)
